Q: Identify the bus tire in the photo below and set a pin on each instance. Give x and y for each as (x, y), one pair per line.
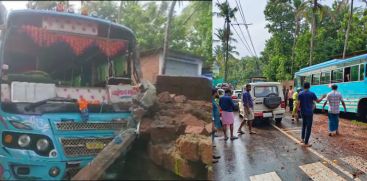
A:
(362, 110)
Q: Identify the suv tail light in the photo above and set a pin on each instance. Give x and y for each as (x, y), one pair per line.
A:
(282, 104)
(258, 114)
(234, 97)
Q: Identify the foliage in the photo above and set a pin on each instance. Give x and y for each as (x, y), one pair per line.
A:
(293, 28)
(191, 29)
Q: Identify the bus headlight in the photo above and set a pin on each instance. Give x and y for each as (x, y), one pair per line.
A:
(24, 140)
(42, 144)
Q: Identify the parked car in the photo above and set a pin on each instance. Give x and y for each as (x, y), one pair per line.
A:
(236, 97)
(268, 101)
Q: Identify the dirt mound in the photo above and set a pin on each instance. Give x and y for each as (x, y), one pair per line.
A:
(178, 135)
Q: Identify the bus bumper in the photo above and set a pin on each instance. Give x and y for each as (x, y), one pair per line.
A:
(15, 169)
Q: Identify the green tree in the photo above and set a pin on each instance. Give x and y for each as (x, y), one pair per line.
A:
(44, 5)
(277, 54)
(225, 11)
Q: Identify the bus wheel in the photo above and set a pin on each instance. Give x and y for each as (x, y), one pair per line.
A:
(362, 113)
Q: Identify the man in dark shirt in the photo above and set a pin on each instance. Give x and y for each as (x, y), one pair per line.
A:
(227, 106)
(248, 109)
(306, 101)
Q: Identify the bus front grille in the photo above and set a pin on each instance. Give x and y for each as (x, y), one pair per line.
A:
(74, 126)
(74, 147)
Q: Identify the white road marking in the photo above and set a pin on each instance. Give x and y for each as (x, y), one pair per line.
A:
(356, 162)
(294, 130)
(319, 172)
(318, 154)
(271, 176)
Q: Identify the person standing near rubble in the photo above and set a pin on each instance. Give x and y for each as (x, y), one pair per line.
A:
(227, 106)
(248, 107)
(306, 102)
(216, 120)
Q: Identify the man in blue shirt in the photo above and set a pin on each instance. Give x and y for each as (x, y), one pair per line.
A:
(306, 101)
(248, 108)
(227, 105)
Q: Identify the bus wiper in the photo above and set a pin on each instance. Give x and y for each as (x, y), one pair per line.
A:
(54, 99)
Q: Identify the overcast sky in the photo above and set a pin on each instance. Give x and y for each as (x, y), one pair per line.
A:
(254, 13)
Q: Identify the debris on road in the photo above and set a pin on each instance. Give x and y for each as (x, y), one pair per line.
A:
(177, 131)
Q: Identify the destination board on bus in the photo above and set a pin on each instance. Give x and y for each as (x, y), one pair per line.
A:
(71, 26)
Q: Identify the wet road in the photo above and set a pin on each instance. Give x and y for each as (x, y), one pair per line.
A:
(272, 153)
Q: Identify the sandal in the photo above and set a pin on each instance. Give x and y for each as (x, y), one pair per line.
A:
(252, 132)
(240, 132)
(216, 157)
(215, 161)
(225, 138)
(233, 138)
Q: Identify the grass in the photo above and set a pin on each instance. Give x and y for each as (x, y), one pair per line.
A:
(358, 123)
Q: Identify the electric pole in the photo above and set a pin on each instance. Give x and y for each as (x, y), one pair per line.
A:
(257, 58)
(228, 22)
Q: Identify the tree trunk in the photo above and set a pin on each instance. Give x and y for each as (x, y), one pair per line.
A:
(296, 32)
(166, 36)
(313, 31)
(348, 28)
(227, 49)
(119, 13)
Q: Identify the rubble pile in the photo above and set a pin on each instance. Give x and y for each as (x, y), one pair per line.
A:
(178, 134)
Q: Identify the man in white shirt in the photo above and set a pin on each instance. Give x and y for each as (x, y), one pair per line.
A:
(334, 98)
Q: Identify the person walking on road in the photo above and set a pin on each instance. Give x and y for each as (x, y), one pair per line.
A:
(295, 111)
(227, 105)
(290, 98)
(306, 103)
(248, 108)
(216, 119)
(334, 98)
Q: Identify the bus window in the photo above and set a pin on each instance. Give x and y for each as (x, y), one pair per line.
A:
(354, 72)
(337, 76)
(308, 78)
(325, 78)
(316, 79)
(361, 72)
(346, 74)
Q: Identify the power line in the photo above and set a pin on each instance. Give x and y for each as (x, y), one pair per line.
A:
(245, 44)
(239, 5)
(243, 35)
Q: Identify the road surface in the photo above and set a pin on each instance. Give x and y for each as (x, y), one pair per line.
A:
(274, 153)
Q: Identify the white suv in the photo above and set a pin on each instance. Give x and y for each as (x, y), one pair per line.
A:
(268, 100)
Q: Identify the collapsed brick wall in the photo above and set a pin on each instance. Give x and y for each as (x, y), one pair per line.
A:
(194, 88)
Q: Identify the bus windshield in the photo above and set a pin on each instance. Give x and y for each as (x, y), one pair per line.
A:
(47, 56)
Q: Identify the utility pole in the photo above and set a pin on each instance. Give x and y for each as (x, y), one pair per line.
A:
(257, 58)
(228, 22)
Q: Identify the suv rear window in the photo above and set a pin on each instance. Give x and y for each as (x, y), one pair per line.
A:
(263, 91)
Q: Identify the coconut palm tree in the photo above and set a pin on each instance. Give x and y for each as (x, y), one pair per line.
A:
(348, 29)
(225, 11)
(166, 35)
(297, 19)
(311, 10)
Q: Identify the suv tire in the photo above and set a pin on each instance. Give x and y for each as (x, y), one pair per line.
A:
(272, 101)
(278, 120)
